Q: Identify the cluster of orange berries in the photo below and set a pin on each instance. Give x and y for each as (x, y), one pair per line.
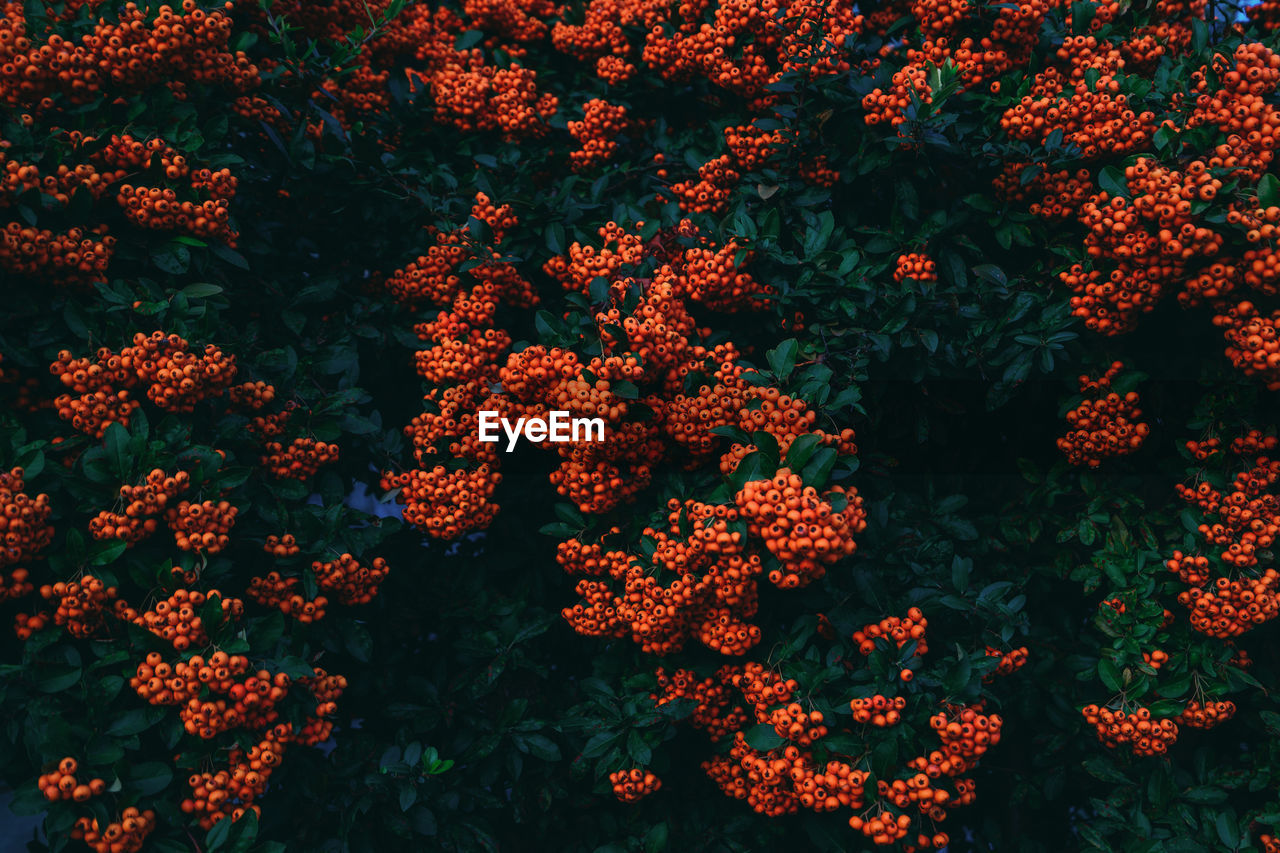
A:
(162, 683)
(645, 328)
(280, 592)
(251, 396)
(632, 785)
(177, 620)
(201, 527)
(446, 504)
(143, 505)
(473, 96)
(1229, 608)
(582, 264)
(1096, 118)
(597, 134)
(1159, 235)
(281, 546)
(230, 793)
(82, 605)
(1010, 661)
(712, 277)
(752, 147)
(326, 689)
(273, 424)
(711, 191)
(125, 835)
(966, 733)
(161, 208)
(349, 582)
(908, 85)
(131, 54)
(77, 256)
(878, 710)
(1246, 520)
(788, 778)
(353, 94)
(175, 380)
(434, 278)
(1253, 341)
(300, 460)
(17, 584)
(441, 502)
(715, 710)
(62, 784)
(916, 266)
(1155, 658)
(1137, 730)
(803, 530)
(711, 597)
(1207, 715)
(897, 629)
(1104, 427)
(24, 520)
(249, 704)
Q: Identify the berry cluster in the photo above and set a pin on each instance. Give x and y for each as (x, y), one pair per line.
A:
(62, 784)
(178, 620)
(1143, 734)
(143, 505)
(597, 134)
(632, 785)
(349, 582)
(83, 605)
(201, 527)
(880, 711)
(125, 835)
(281, 593)
(24, 519)
(300, 460)
(173, 378)
(805, 531)
(1105, 426)
(1207, 715)
(916, 267)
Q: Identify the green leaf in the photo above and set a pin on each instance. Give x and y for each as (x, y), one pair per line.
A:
(764, 738)
(134, 721)
(1109, 673)
(173, 258)
(55, 679)
(1269, 191)
(116, 441)
(468, 40)
(801, 450)
(541, 746)
(638, 749)
(149, 777)
(655, 840)
(229, 255)
(782, 358)
(819, 467)
(201, 290)
(1103, 768)
(599, 744)
(991, 273)
(1112, 180)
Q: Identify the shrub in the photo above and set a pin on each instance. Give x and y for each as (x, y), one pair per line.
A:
(935, 350)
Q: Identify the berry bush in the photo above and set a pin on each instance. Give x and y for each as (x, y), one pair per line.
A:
(936, 346)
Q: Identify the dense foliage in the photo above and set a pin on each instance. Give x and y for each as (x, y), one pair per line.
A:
(936, 343)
